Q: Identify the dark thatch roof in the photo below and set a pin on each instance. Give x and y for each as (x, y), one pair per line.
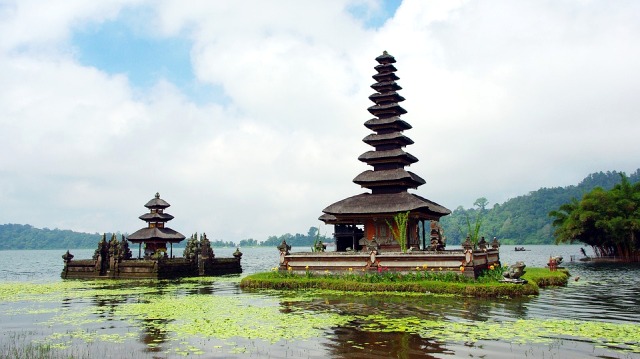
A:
(370, 204)
(385, 68)
(387, 138)
(386, 76)
(157, 202)
(157, 217)
(398, 174)
(386, 86)
(386, 97)
(385, 58)
(155, 234)
(396, 155)
(386, 108)
(388, 122)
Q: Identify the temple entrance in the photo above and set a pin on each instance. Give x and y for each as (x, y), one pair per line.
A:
(347, 237)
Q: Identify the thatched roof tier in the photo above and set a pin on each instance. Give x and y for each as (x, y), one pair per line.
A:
(395, 138)
(156, 217)
(157, 202)
(387, 110)
(385, 76)
(385, 58)
(387, 124)
(386, 86)
(385, 68)
(155, 234)
(398, 176)
(389, 156)
(385, 98)
(366, 205)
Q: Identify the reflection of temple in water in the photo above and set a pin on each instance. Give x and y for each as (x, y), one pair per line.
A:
(349, 342)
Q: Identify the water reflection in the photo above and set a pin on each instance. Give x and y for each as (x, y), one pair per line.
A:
(427, 307)
(353, 343)
(604, 292)
(154, 334)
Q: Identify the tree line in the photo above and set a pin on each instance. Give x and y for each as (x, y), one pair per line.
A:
(25, 236)
(296, 240)
(524, 219)
(520, 220)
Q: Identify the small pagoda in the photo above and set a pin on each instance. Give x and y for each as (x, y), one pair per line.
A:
(113, 259)
(156, 235)
(365, 219)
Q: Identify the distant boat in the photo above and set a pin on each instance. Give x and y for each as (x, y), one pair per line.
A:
(520, 249)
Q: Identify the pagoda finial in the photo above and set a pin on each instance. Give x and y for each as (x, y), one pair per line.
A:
(157, 194)
(385, 52)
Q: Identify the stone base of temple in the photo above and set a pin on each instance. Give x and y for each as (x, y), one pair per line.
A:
(465, 262)
(153, 269)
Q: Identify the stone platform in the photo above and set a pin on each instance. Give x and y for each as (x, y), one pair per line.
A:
(467, 262)
(151, 268)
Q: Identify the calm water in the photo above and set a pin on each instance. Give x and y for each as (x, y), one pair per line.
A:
(605, 298)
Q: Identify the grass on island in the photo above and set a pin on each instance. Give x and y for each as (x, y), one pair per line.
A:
(487, 285)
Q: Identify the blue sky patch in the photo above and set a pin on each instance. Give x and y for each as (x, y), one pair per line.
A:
(120, 47)
(375, 18)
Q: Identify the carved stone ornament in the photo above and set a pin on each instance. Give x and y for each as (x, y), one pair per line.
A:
(372, 257)
(468, 255)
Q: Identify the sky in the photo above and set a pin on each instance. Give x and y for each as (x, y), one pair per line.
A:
(247, 116)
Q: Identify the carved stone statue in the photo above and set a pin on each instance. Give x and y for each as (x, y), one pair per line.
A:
(495, 244)
(482, 244)
(191, 248)
(205, 247)
(467, 243)
(125, 251)
(67, 257)
(284, 247)
(372, 245)
(515, 271)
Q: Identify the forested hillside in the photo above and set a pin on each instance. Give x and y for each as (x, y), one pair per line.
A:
(24, 236)
(521, 220)
(298, 239)
(524, 219)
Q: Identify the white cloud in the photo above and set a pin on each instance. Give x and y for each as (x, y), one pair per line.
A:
(504, 98)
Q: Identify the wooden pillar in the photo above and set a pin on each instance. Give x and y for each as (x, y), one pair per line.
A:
(139, 249)
(422, 235)
(354, 240)
(171, 250)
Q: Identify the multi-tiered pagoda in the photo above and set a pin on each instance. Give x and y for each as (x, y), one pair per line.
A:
(156, 235)
(366, 217)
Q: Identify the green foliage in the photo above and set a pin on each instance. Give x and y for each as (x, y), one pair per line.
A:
(606, 220)
(298, 240)
(18, 236)
(474, 230)
(400, 229)
(524, 219)
(250, 242)
(387, 281)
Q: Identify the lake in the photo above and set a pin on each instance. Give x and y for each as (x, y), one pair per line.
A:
(597, 315)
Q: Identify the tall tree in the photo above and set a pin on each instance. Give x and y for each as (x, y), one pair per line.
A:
(608, 221)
